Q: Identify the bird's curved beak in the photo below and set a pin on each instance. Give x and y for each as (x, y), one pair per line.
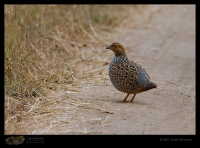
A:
(108, 47)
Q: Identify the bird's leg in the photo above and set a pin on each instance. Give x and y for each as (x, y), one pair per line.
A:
(133, 97)
(126, 97)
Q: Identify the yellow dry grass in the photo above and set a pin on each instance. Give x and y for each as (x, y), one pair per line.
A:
(50, 49)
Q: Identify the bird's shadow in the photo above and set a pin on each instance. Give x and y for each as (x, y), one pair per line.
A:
(129, 102)
(122, 102)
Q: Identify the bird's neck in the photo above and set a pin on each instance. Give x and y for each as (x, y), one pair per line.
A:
(120, 58)
(120, 55)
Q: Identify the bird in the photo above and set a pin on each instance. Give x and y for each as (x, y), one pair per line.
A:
(127, 76)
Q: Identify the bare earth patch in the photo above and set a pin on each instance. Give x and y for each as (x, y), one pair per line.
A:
(163, 42)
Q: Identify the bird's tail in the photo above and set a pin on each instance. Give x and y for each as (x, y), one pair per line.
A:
(150, 85)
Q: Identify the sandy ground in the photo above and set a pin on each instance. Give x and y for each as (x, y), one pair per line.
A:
(163, 44)
(165, 47)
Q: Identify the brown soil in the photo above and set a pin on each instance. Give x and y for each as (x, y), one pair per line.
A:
(165, 46)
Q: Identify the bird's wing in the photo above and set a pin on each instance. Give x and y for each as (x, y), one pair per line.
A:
(138, 66)
(133, 69)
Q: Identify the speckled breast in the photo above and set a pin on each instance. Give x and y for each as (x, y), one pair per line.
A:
(123, 75)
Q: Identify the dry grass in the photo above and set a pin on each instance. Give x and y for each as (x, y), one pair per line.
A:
(53, 47)
(40, 41)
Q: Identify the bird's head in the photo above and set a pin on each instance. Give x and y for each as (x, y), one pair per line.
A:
(117, 48)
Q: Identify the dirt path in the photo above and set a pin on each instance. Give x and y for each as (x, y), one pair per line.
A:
(164, 44)
(165, 47)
